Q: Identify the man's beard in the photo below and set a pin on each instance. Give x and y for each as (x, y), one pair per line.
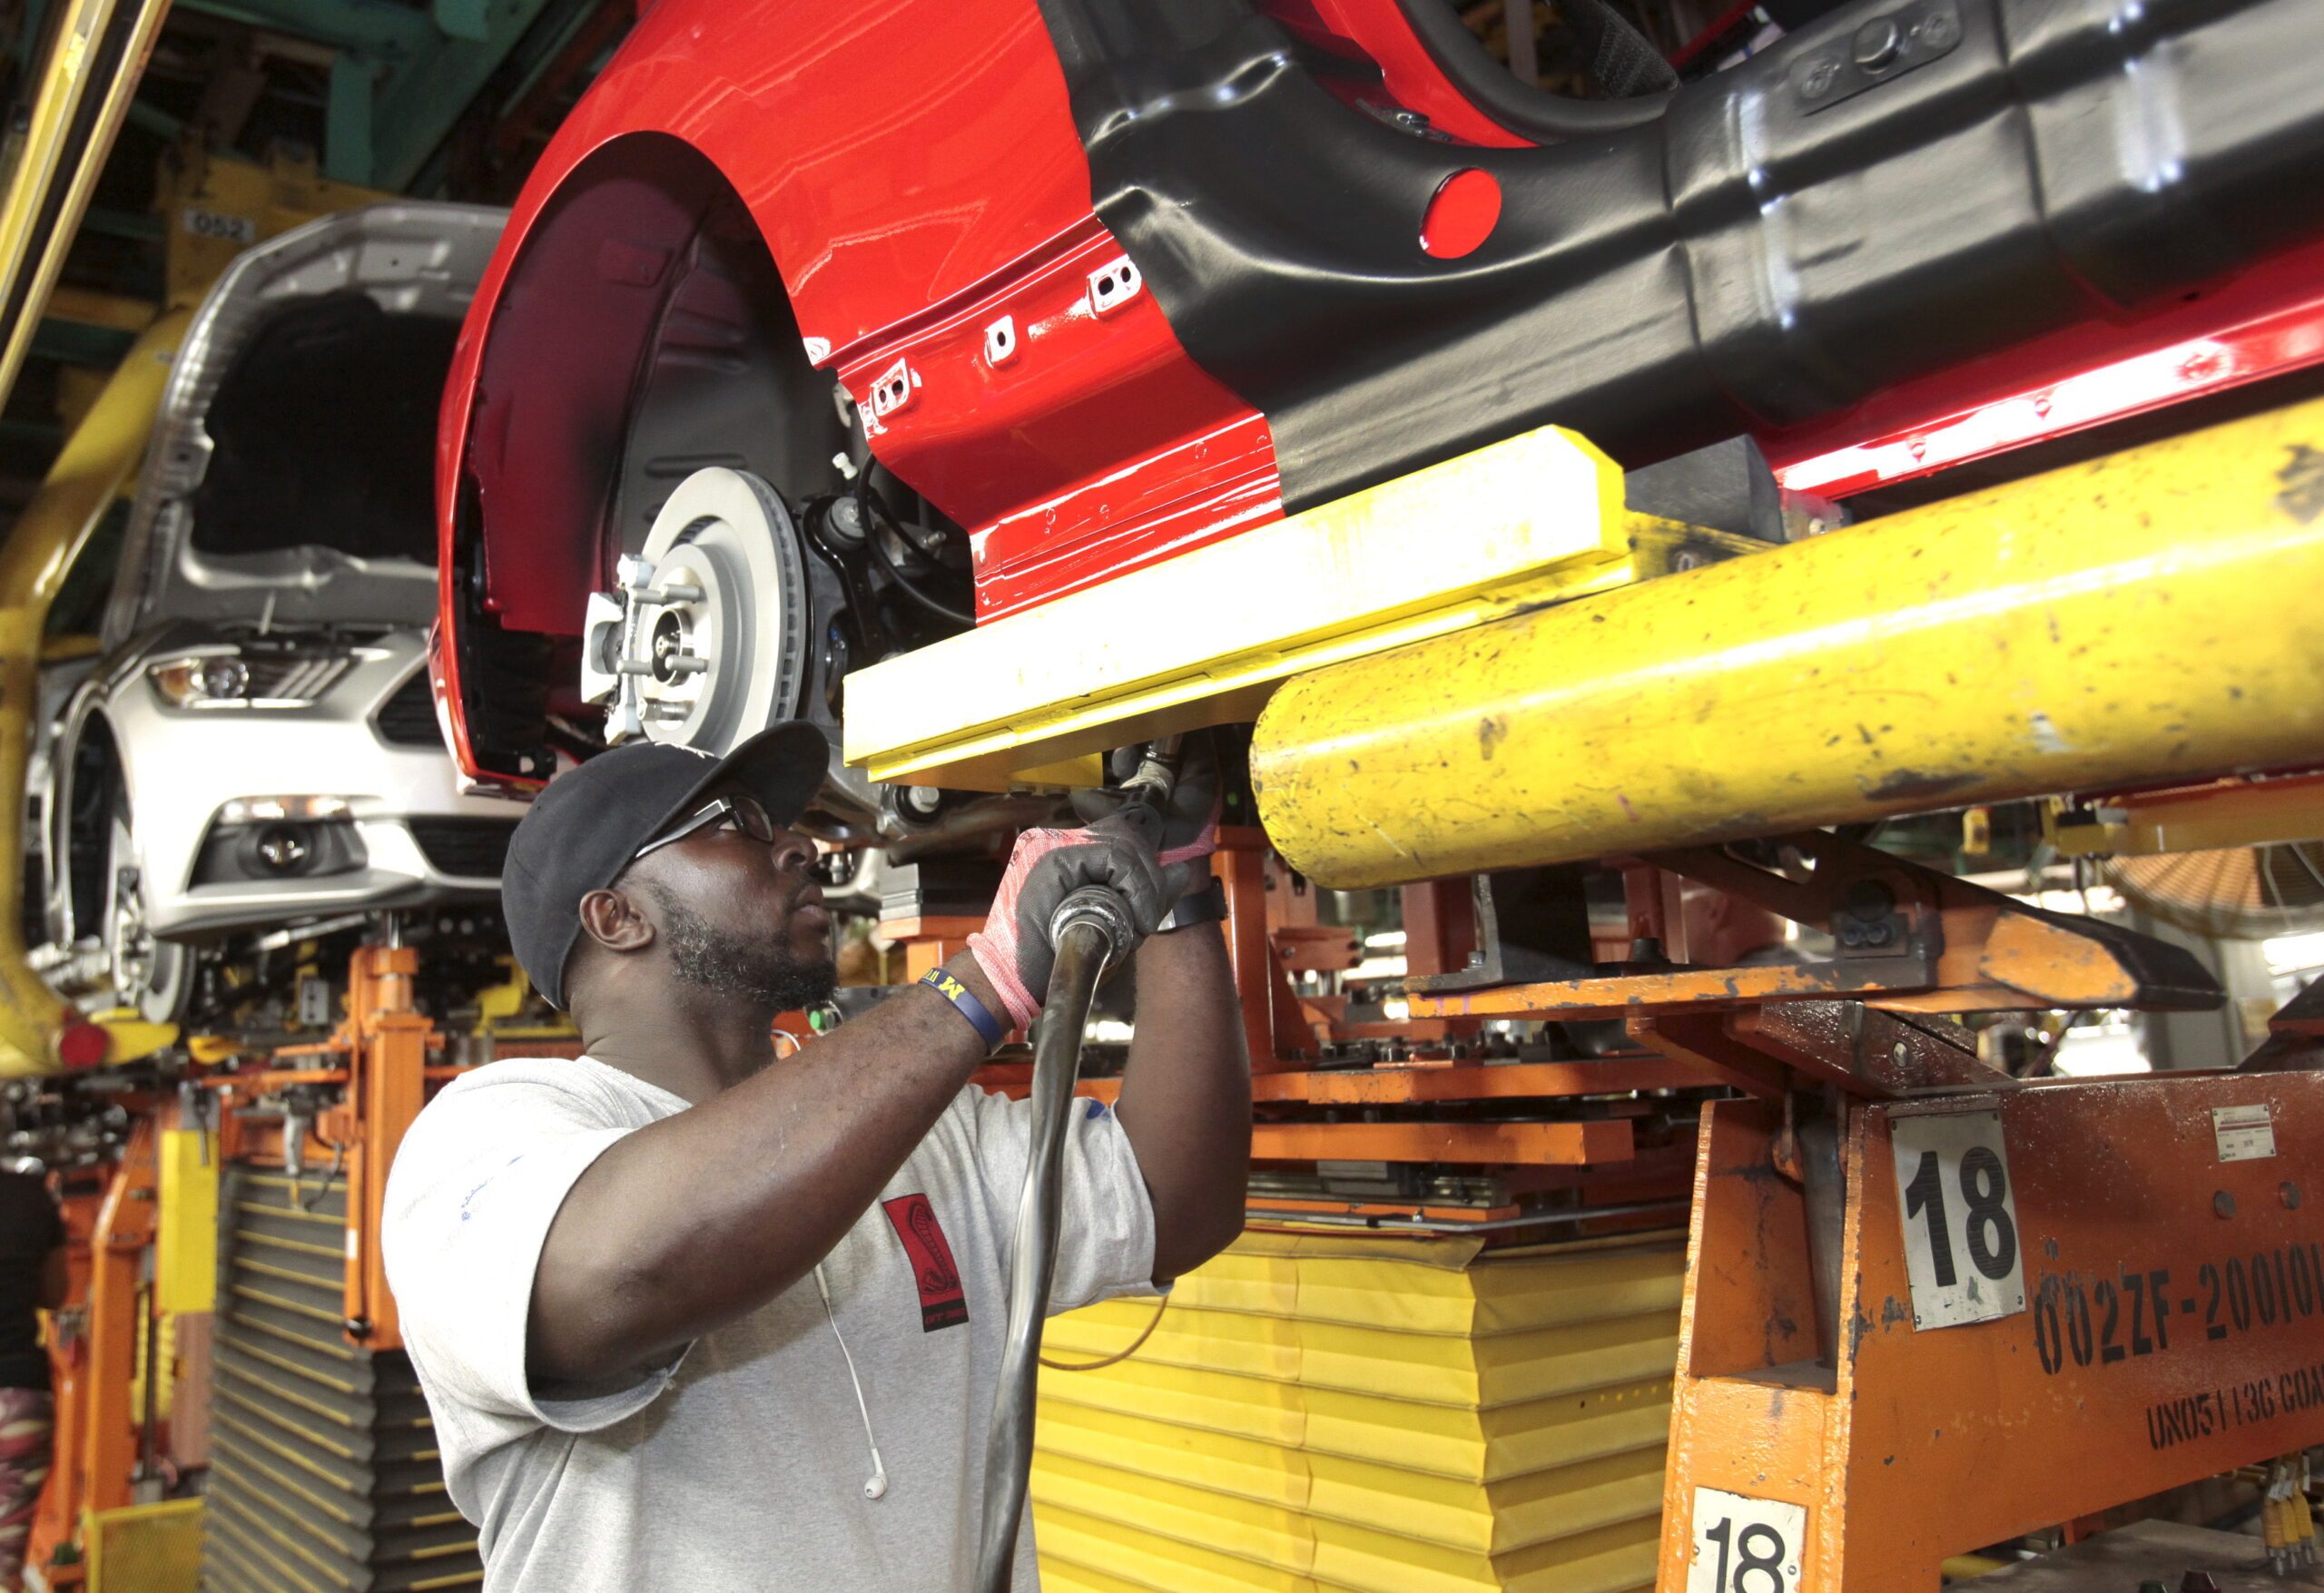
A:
(758, 969)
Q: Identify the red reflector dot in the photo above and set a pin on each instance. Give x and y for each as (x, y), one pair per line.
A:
(1461, 214)
(82, 1045)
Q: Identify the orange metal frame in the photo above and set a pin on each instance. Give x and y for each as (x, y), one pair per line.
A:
(2175, 1327)
(382, 1048)
(94, 1461)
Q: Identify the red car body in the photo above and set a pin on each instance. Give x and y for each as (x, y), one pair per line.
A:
(919, 179)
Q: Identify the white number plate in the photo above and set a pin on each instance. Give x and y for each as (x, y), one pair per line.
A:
(1746, 1545)
(1960, 1217)
(220, 224)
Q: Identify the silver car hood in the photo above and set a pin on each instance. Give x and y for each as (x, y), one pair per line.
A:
(409, 257)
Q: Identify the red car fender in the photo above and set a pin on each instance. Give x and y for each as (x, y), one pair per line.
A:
(903, 241)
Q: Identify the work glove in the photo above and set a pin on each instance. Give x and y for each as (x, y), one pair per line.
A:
(1014, 948)
(1190, 823)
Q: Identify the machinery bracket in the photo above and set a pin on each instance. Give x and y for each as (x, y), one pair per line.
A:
(1910, 941)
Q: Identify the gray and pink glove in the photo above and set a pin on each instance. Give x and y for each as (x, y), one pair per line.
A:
(1014, 948)
(1190, 823)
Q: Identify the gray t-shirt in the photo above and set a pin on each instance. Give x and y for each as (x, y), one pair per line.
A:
(744, 1465)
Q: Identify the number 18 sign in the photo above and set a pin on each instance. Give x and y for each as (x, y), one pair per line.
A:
(1961, 1244)
(1744, 1545)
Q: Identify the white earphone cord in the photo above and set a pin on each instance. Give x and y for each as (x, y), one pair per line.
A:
(875, 1485)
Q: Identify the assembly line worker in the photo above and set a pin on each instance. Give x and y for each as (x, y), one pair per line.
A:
(692, 1318)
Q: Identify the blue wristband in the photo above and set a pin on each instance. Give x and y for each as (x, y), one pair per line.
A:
(965, 1003)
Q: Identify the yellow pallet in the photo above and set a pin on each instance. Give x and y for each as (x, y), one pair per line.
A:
(1359, 1415)
(144, 1549)
(1429, 1368)
(1475, 1444)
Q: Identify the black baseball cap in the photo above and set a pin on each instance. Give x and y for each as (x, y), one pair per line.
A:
(589, 822)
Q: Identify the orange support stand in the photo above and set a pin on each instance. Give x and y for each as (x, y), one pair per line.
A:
(2131, 1298)
(386, 1040)
(57, 1517)
(125, 1231)
(930, 942)
(94, 1460)
(1272, 1024)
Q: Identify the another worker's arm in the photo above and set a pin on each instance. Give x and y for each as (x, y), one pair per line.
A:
(1185, 1100)
(696, 1220)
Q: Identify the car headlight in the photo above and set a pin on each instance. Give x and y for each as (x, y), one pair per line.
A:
(240, 678)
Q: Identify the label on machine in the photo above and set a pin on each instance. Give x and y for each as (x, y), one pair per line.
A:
(2244, 1134)
(1960, 1219)
(1744, 1545)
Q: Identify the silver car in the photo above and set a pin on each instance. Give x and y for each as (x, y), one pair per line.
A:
(259, 744)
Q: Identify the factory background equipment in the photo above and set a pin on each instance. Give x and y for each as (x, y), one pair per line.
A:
(1751, 568)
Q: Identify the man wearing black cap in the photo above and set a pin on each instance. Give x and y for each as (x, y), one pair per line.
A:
(689, 1321)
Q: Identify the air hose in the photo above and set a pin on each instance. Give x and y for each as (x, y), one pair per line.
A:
(1092, 931)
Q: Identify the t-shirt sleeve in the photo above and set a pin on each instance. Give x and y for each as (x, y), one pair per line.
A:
(475, 1187)
(1106, 1240)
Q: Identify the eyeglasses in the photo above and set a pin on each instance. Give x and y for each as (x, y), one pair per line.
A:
(745, 813)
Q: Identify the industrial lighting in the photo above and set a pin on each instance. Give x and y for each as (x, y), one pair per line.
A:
(2295, 954)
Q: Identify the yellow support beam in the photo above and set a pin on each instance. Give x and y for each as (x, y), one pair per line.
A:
(64, 81)
(2205, 818)
(185, 1243)
(2147, 617)
(114, 311)
(216, 206)
(98, 461)
(32, 254)
(1203, 638)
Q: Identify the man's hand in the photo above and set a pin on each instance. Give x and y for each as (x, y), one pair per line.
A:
(1014, 948)
(1190, 823)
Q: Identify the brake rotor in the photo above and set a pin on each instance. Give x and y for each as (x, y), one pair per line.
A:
(719, 648)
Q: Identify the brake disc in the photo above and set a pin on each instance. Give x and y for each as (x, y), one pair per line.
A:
(706, 640)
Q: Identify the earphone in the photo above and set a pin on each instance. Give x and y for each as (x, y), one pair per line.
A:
(875, 1485)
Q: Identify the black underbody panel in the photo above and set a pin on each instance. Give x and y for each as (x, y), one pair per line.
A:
(1777, 245)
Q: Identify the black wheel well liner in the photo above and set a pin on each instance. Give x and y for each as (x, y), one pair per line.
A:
(643, 291)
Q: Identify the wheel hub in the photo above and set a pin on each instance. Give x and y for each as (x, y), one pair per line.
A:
(704, 641)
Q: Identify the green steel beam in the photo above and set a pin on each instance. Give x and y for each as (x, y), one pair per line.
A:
(154, 120)
(541, 51)
(347, 122)
(39, 433)
(419, 103)
(465, 19)
(371, 26)
(141, 225)
(404, 76)
(28, 34)
(76, 342)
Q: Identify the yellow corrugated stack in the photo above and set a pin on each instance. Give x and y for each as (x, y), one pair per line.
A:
(1358, 1414)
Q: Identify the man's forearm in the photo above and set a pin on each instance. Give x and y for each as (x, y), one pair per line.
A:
(698, 1219)
(1185, 1099)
